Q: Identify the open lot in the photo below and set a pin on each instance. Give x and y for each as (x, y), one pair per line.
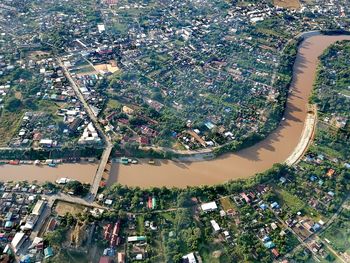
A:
(293, 4)
(292, 201)
(339, 233)
(63, 208)
(227, 203)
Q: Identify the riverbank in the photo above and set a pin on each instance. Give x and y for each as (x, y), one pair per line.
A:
(305, 138)
(284, 142)
(276, 148)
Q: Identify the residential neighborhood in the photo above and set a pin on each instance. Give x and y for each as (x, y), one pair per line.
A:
(181, 89)
(158, 80)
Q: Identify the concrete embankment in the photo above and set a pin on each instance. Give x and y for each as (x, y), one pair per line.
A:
(286, 144)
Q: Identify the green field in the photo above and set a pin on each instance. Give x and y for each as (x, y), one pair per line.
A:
(9, 124)
(295, 204)
(292, 201)
(339, 233)
(213, 253)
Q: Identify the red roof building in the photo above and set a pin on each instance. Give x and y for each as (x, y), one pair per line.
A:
(275, 252)
(105, 260)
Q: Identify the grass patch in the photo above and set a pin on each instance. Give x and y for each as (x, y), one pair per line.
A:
(213, 253)
(295, 204)
(84, 70)
(70, 256)
(140, 224)
(292, 4)
(339, 234)
(292, 201)
(328, 151)
(113, 104)
(226, 203)
(9, 124)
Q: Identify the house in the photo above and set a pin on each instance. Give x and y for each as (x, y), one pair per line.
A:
(215, 225)
(313, 178)
(275, 252)
(121, 257)
(283, 180)
(46, 143)
(227, 234)
(266, 239)
(105, 259)
(90, 135)
(115, 240)
(107, 231)
(245, 197)
(331, 194)
(330, 172)
(18, 241)
(263, 206)
(208, 207)
(316, 227)
(269, 244)
(189, 258)
(48, 252)
(8, 225)
(274, 205)
(108, 202)
(127, 110)
(38, 208)
(143, 140)
(274, 226)
(136, 238)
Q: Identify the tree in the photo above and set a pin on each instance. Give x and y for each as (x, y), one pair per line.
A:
(76, 187)
(29, 103)
(56, 238)
(270, 197)
(13, 104)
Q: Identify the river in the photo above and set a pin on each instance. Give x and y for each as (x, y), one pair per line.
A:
(274, 149)
(81, 172)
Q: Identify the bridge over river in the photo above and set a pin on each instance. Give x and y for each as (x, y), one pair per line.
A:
(287, 143)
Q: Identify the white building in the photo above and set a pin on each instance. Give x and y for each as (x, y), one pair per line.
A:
(215, 225)
(18, 241)
(90, 135)
(38, 208)
(190, 258)
(207, 207)
(46, 142)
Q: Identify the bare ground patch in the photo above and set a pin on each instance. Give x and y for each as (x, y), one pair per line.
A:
(292, 4)
(63, 208)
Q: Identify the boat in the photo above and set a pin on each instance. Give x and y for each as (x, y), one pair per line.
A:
(134, 161)
(151, 162)
(124, 160)
(52, 165)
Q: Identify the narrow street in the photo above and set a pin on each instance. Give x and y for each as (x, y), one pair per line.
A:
(315, 236)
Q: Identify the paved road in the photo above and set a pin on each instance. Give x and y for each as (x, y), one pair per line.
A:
(314, 236)
(109, 146)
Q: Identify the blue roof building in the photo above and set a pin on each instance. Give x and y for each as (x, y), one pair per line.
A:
(269, 244)
(48, 252)
(275, 205)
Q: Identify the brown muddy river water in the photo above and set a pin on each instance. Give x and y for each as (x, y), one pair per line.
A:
(274, 149)
(82, 172)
